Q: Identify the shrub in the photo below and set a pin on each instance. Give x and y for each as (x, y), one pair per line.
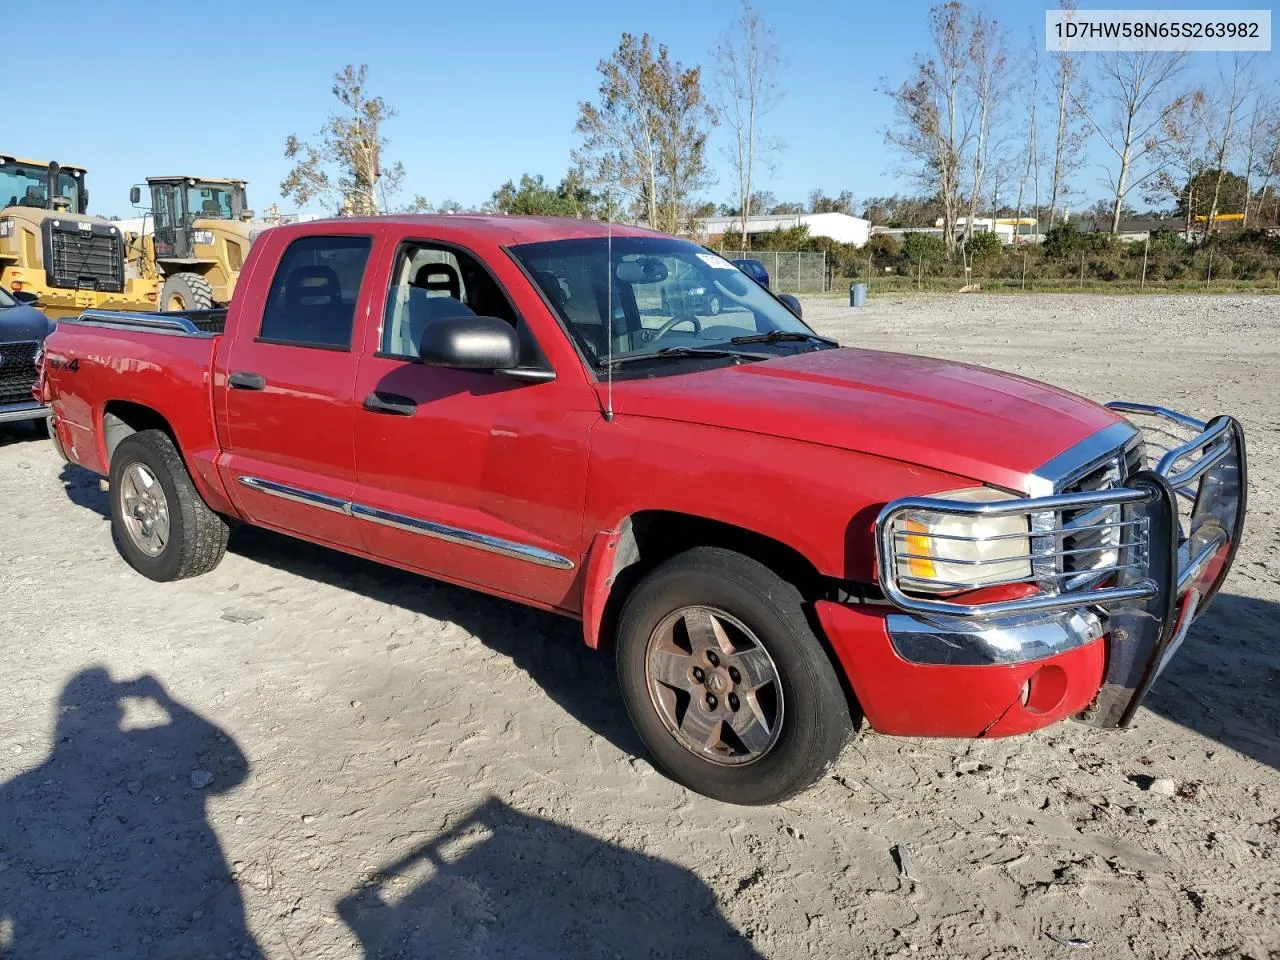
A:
(923, 248)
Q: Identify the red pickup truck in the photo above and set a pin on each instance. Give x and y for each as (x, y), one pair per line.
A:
(778, 536)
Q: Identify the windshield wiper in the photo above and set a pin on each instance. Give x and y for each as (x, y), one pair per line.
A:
(673, 353)
(780, 336)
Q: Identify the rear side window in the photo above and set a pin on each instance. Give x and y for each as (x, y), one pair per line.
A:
(312, 302)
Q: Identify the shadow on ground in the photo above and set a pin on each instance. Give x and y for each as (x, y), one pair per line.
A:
(23, 431)
(501, 883)
(106, 851)
(1224, 683)
(547, 647)
(105, 848)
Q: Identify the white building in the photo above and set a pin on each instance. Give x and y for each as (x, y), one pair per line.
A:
(837, 226)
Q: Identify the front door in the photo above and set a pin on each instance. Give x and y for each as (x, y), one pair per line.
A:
(290, 390)
(172, 238)
(465, 474)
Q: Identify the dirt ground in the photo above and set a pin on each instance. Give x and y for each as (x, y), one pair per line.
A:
(306, 755)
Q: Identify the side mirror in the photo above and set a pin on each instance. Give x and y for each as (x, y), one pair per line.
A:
(792, 304)
(27, 297)
(135, 195)
(470, 343)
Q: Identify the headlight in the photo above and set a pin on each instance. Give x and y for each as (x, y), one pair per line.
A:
(938, 552)
(6, 227)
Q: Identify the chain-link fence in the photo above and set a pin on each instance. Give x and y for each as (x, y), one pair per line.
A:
(790, 271)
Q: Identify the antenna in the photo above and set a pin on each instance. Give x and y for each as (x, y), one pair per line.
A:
(608, 324)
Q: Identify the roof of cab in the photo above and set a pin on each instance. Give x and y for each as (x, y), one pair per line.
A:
(38, 163)
(499, 229)
(216, 180)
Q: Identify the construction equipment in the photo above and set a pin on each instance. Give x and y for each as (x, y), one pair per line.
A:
(50, 247)
(200, 235)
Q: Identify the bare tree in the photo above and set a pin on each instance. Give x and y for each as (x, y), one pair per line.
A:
(1181, 156)
(933, 117)
(647, 137)
(1264, 147)
(1031, 168)
(345, 163)
(1222, 118)
(1071, 90)
(748, 67)
(1131, 88)
(987, 80)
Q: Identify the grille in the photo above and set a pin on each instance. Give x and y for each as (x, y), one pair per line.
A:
(86, 260)
(1092, 538)
(17, 371)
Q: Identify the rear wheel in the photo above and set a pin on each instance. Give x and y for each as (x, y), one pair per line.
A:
(726, 682)
(161, 526)
(186, 291)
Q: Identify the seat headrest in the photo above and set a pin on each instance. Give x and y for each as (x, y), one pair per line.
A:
(312, 287)
(439, 276)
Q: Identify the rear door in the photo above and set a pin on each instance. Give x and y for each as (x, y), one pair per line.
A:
(465, 474)
(289, 389)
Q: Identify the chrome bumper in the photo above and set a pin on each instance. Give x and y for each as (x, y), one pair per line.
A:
(1167, 567)
(27, 410)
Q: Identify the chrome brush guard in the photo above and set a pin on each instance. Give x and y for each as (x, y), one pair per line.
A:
(1129, 554)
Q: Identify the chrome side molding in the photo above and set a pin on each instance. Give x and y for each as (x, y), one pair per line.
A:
(308, 497)
(427, 528)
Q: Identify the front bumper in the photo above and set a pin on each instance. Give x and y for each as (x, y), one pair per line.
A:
(1111, 637)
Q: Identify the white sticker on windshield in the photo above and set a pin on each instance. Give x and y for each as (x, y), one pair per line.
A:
(715, 263)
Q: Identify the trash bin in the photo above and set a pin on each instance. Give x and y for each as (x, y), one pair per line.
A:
(857, 294)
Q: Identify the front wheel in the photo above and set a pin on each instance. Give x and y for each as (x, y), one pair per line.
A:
(726, 682)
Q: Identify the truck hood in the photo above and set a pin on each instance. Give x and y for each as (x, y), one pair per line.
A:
(961, 419)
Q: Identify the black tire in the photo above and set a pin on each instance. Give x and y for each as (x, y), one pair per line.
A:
(197, 536)
(816, 721)
(191, 289)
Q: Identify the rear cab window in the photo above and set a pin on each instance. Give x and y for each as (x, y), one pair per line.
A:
(312, 301)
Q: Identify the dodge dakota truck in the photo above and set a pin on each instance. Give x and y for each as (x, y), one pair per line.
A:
(779, 538)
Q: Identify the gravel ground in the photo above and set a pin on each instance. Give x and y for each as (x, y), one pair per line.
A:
(306, 755)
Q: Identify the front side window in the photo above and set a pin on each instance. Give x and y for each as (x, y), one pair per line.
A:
(431, 283)
(313, 295)
(662, 293)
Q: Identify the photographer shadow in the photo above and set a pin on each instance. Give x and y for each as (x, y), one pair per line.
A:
(501, 883)
(105, 848)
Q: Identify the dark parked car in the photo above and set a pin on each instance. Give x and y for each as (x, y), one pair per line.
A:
(22, 332)
(755, 270)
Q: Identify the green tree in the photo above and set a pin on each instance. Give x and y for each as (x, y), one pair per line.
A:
(1200, 189)
(819, 202)
(531, 198)
(343, 165)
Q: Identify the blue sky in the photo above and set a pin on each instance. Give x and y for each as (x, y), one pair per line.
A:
(485, 90)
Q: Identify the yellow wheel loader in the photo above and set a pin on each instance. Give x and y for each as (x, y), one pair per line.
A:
(51, 248)
(199, 238)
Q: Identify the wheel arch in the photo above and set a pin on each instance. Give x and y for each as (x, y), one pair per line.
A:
(618, 558)
(122, 418)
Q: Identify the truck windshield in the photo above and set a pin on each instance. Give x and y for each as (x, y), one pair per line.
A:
(666, 293)
(212, 202)
(6, 301)
(27, 185)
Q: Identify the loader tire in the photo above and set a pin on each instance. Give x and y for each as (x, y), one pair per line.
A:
(186, 291)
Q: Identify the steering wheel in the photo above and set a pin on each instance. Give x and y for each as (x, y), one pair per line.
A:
(667, 327)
